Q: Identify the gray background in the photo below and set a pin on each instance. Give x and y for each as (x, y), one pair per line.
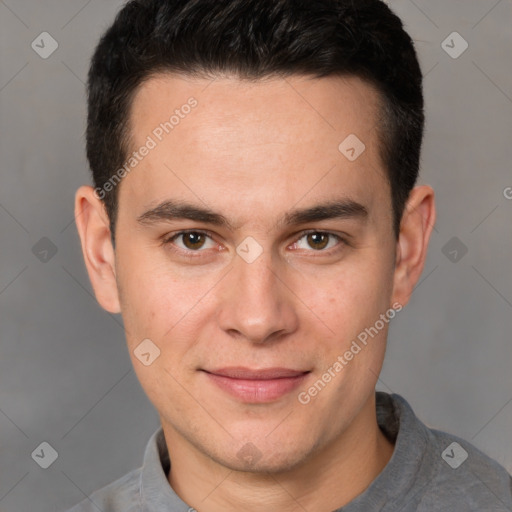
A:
(65, 375)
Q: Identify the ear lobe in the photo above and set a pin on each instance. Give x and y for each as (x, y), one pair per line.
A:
(93, 228)
(415, 230)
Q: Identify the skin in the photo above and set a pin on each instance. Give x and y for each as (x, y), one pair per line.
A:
(253, 152)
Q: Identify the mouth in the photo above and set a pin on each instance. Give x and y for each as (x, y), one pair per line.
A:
(256, 385)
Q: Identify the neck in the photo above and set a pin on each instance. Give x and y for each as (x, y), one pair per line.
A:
(327, 480)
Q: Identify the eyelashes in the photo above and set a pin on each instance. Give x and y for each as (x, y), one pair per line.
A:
(196, 241)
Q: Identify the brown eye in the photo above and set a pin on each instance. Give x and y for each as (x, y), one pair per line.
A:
(318, 240)
(193, 240)
(190, 241)
(191, 244)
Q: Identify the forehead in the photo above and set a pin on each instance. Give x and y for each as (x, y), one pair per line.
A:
(251, 137)
(315, 107)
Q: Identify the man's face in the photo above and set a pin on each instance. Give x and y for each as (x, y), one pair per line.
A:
(266, 289)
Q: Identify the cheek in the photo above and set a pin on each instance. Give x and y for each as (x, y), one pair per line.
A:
(350, 300)
(172, 310)
(148, 300)
(159, 308)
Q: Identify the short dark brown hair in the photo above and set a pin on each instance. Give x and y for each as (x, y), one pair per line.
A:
(253, 39)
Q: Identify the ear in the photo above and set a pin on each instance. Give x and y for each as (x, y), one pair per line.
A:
(415, 229)
(93, 227)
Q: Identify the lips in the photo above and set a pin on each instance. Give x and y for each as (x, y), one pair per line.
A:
(256, 386)
(239, 372)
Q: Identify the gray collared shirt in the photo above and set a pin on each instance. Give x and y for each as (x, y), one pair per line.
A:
(430, 471)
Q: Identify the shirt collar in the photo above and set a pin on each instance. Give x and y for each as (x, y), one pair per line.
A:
(156, 494)
(411, 462)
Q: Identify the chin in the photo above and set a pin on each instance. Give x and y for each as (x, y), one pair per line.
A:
(265, 458)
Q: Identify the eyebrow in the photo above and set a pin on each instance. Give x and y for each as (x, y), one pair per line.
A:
(175, 210)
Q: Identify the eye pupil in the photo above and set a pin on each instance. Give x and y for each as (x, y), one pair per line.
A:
(193, 240)
(318, 240)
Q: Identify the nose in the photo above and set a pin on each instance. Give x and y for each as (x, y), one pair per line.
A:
(256, 303)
